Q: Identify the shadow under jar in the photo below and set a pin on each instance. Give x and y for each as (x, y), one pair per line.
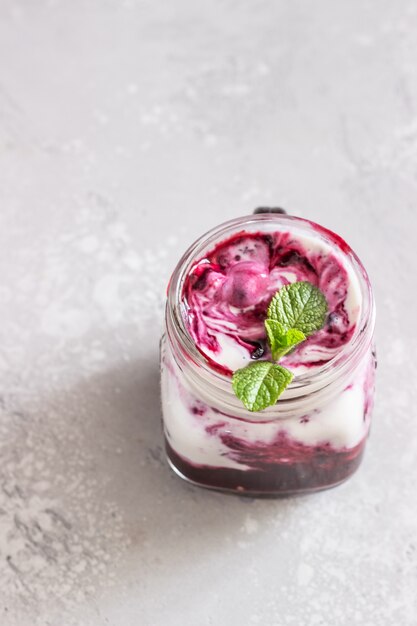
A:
(314, 436)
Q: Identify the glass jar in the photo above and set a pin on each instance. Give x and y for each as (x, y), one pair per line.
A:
(311, 439)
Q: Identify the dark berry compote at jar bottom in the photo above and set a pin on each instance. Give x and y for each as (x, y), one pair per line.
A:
(314, 436)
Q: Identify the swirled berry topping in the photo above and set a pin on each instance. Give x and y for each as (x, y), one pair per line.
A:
(227, 292)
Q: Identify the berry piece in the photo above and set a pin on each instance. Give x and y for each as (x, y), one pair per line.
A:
(246, 285)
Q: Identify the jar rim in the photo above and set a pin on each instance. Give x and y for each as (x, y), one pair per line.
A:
(317, 378)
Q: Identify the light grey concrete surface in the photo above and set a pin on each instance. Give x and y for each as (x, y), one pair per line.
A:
(128, 128)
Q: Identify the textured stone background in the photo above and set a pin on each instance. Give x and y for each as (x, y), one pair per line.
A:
(127, 128)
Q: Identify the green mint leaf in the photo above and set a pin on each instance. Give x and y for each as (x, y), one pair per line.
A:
(281, 341)
(301, 306)
(260, 384)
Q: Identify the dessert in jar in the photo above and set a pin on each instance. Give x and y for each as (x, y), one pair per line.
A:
(314, 436)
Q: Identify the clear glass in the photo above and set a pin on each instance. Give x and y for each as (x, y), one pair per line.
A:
(312, 439)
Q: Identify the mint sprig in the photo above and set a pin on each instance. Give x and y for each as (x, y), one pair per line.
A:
(260, 384)
(280, 340)
(300, 305)
(295, 312)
